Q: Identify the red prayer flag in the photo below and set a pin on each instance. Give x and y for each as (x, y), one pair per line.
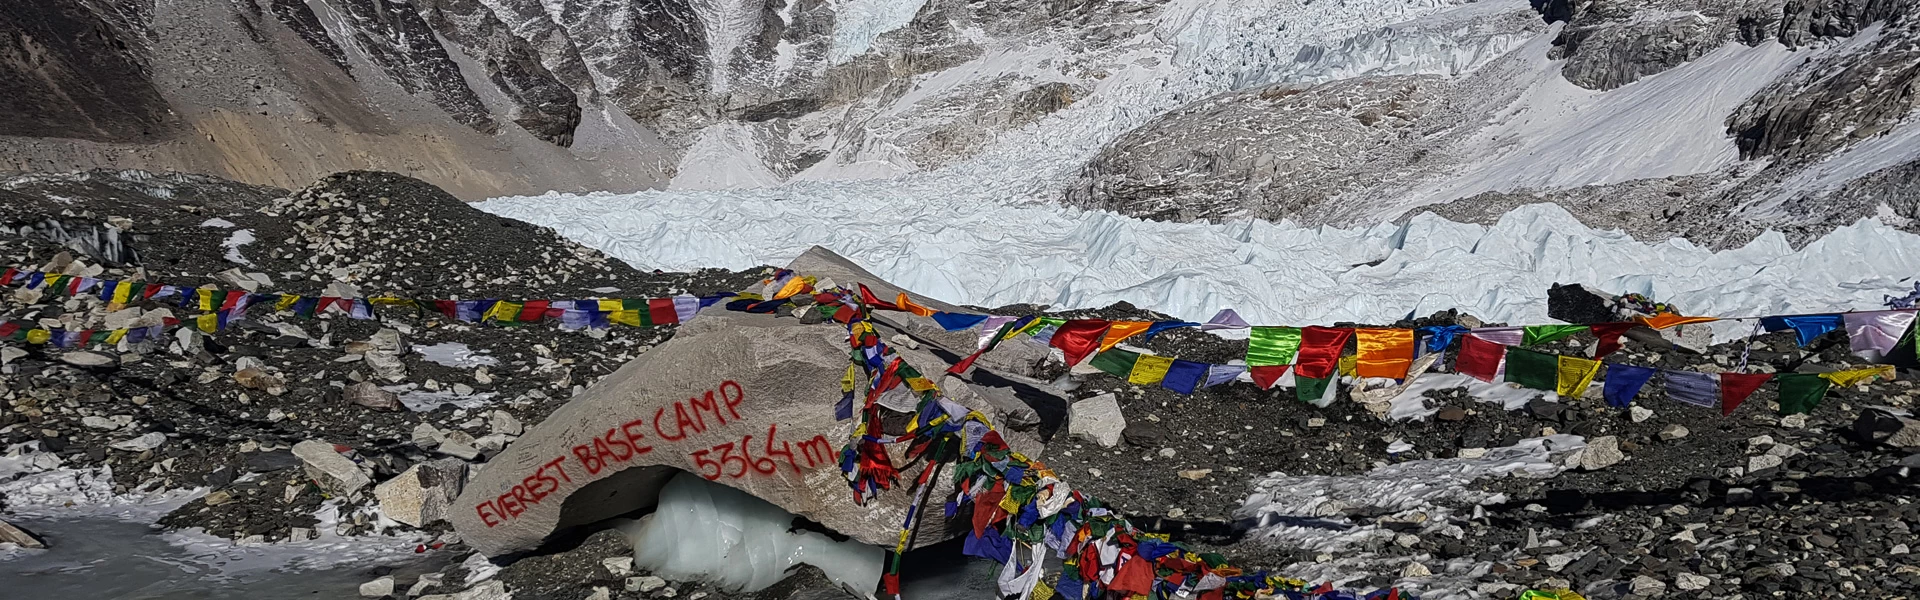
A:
(662, 312)
(325, 301)
(1265, 377)
(1320, 348)
(1479, 358)
(7, 278)
(7, 329)
(1135, 577)
(233, 299)
(867, 297)
(450, 308)
(1078, 338)
(152, 288)
(1735, 387)
(533, 310)
(1609, 334)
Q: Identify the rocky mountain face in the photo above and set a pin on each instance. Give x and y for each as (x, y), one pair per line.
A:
(491, 97)
(1353, 150)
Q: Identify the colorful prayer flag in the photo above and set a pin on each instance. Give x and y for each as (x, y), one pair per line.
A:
(1320, 349)
(1479, 358)
(1119, 331)
(1266, 376)
(1383, 352)
(1183, 376)
(1149, 369)
(1670, 320)
(1272, 346)
(1535, 370)
(1735, 387)
(1574, 374)
(1534, 335)
(1116, 362)
(1873, 334)
(1609, 334)
(1624, 383)
(1698, 389)
(1805, 327)
(1801, 392)
(1078, 338)
(1850, 377)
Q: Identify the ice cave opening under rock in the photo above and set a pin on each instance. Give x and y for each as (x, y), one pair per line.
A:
(710, 532)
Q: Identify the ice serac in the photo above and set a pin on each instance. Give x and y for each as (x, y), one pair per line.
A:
(745, 400)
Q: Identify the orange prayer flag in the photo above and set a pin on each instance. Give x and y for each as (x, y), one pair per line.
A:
(1120, 331)
(1670, 320)
(1383, 352)
(907, 304)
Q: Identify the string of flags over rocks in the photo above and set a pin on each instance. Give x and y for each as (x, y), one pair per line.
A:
(1309, 358)
(1020, 509)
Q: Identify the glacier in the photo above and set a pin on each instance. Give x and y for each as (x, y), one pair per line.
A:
(1272, 273)
(711, 532)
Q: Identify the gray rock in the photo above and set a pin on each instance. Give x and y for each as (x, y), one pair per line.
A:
(503, 423)
(1097, 420)
(367, 394)
(1639, 414)
(87, 359)
(146, 441)
(426, 436)
(491, 589)
(386, 365)
(424, 493)
(12, 534)
(682, 405)
(1673, 432)
(1647, 586)
(1690, 582)
(377, 588)
(1600, 453)
(645, 584)
(1757, 464)
(1891, 427)
(336, 474)
(459, 443)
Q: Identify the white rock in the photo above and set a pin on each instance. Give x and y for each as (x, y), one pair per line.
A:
(377, 588)
(1600, 453)
(1764, 461)
(87, 359)
(336, 474)
(426, 436)
(19, 537)
(600, 593)
(1415, 569)
(99, 422)
(421, 585)
(1690, 582)
(645, 584)
(424, 493)
(458, 443)
(619, 566)
(1647, 586)
(1473, 452)
(145, 442)
(1097, 420)
(502, 422)
(1674, 431)
(10, 354)
(1795, 421)
(1638, 414)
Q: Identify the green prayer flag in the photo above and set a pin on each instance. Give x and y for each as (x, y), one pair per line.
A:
(1272, 346)
(1310, 389)
(1116, 362)
(639, 307)
(1046, 322)
(1800, 392)
(1541, 334)
(1536, 370)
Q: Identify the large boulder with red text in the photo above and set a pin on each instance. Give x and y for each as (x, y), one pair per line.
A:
(746, 400)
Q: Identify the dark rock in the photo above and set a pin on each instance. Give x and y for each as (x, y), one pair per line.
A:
(1451, 413)
(1145, 433)
(1579, 304)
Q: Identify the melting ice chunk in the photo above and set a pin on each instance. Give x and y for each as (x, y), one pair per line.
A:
(706, 531)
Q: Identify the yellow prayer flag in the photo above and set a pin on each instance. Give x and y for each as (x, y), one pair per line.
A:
(1149, 369)
(1851, 377)
(1041, 591)
(51, 282)
(1007, 503)
(1119, 331)
(39, 336)
(116, 336)
(919, 384)
(505, 311)
(1575, 375)
(209, 322)
(122, 292)
(1349, 365)
(625, 317)
(612, 305)
(846, 383)
(793, 286)
(286, 302)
